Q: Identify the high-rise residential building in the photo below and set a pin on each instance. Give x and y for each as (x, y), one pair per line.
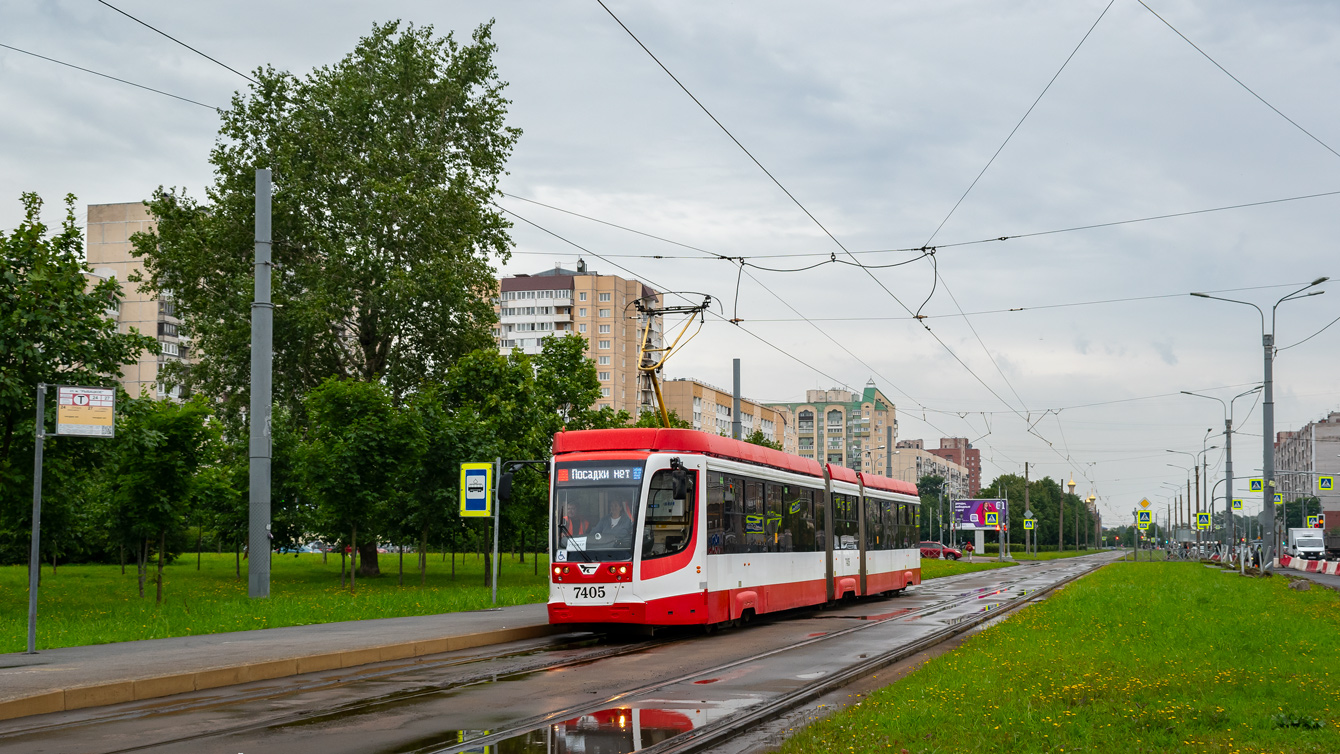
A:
(710, 409)
(597, 307)
(1304, 455)
(110, 227)
(911, 461)
(846, 429)
(958, 450)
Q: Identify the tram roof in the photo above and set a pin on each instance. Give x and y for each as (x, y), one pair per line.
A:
(693, 441)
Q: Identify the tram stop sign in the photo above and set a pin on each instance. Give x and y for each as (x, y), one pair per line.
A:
(85, 411)
(476, 482)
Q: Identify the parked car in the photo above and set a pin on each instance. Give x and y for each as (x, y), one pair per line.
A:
(940, 550)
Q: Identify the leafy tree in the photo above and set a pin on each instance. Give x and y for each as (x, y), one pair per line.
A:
(385, 165)
(566, 383)
(53, 329)
(160, 447)
(929, 488)
(758, 438)
(351, 462)
(651, 419)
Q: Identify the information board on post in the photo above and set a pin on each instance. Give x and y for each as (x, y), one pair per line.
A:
(974, 515)
(85, 411)
(476, 484)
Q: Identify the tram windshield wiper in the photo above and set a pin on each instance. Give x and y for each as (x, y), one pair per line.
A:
(563, 528)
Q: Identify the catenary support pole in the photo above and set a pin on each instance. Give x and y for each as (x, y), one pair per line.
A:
(735, 426)
(1270, 538)
(262, 362)
(1228, 479)
(35, 553)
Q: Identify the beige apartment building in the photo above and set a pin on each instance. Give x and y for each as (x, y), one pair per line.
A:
(711, 410)
(110, 227)
(597, 307)
(844, 428)
(911, 461)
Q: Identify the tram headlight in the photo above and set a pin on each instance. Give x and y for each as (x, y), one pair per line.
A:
(611, 569)
(623, 569)
(558, 570)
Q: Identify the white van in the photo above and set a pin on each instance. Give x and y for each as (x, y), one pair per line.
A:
(1306, 544)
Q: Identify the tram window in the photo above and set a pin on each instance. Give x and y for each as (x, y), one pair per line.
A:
(820, 528)
(889, 510)
(845, 527)
(725, 515)
(756, 540)
(669, 523)
(874, 535)
(778, 536)
(798, 521)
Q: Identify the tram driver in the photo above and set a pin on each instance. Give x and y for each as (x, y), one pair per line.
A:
(615, 530)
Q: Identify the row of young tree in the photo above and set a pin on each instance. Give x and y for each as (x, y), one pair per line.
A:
(1063, 519)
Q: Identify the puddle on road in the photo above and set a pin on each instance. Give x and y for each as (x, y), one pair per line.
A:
(617, 730)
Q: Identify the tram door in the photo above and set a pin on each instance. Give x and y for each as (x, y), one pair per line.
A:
(827, 534)
(860, 534)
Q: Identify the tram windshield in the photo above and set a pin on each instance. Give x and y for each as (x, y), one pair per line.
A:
(595, 510)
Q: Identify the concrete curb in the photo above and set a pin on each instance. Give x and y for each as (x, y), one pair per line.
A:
(133, 690)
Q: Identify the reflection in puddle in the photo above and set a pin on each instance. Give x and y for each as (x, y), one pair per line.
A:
(618, 730)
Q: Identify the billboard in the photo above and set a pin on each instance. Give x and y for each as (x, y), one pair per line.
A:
(988, 515)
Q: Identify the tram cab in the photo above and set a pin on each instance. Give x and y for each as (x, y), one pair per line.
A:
(669, 527)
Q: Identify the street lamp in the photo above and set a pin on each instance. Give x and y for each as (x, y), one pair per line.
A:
(1268, 406)
(1228, 451)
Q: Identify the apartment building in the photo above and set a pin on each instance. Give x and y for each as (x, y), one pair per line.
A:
(711, 410)
(108, 248)
(597, 307)
(959, 451)
(911, 461)
(844, 428)
(1305, 454)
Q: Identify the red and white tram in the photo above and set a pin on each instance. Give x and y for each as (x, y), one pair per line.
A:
(665, 527)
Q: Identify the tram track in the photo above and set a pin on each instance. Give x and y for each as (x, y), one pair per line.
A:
(700, 739)
(344, 678)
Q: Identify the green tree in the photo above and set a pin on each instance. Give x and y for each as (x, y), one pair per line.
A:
(758, 438)
(54, 328)
(351, 461)
(929, 488)
(385, 165)
(160, 447)
(651, 419)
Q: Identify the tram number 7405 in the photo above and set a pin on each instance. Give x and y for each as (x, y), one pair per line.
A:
(588, 592)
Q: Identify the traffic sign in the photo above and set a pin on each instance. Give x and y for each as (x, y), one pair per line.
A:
(1028, 523)
(85, 411)
(1258, 485)
(1028, 513)
(1143, 519)
(992, 518)
(1279, 498)
(1237, 505)
(1312, 522)
(1202, 520)
(476, 484)
(1325, 483)
(1144, 502)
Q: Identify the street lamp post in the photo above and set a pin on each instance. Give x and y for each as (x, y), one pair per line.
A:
(1228, 452)
(1268, 406)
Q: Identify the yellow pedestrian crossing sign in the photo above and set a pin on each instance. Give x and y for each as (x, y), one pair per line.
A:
(992, 518)
(1279, 498)
(1028, 523)
(1202, 520)
(1143, 519)
(1237, 505)
(1258, 485)
(1312, 522)
(1326, 483)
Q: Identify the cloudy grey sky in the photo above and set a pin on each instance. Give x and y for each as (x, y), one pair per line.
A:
(877, 116)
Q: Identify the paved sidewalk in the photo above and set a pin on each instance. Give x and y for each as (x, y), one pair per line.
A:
(76, 677)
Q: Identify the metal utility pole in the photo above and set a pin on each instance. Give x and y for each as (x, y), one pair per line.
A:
(1268, 413)
(735, 426)
(262, 364)
(1028, 509)
(35, 552)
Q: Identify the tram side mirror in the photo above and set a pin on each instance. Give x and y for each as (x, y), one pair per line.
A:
(505, 487)
(679, 484)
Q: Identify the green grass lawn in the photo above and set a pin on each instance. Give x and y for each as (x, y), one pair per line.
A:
(934, 568)
(96, 604)
(1136, 657)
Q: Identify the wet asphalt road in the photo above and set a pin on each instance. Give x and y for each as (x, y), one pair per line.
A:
(615, 704)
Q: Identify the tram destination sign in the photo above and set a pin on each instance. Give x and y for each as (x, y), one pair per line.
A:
(85, 411)
(986, 515)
